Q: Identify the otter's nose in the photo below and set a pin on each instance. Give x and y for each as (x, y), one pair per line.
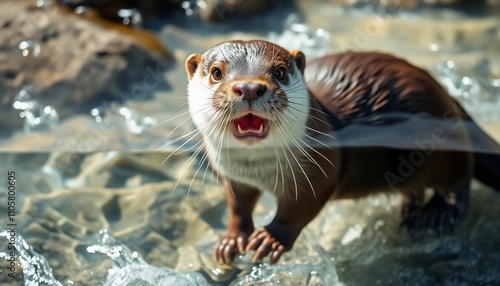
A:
(249, 90)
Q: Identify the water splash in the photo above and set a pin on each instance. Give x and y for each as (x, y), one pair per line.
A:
(45, 118)
(477, 88)
(81, 10)
(37, 117)
(306, 264)
(23, 100)
(123, 117)
(298, 35)
(44, 4)
(131, 269)
(353, 233)
(131, 17)
(192, 7)
(265, 274)
(310, 265)
(36, 269)
(120, 254)
(29, 48)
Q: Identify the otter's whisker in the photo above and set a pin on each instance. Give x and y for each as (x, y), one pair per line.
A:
(191, 160)
(319, 132)
(173, 118)
(204, 110)
(198, 131)
(302, 150)
(289, 163)
(278, 163)
(296, 83)
(314, 139)
(175, 151)
(178, 139)
(314, 118)
(202, 161)
(305, 105)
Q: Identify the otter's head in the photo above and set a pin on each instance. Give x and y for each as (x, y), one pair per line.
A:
(248, 94)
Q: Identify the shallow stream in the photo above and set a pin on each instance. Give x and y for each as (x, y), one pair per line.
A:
(98, 204)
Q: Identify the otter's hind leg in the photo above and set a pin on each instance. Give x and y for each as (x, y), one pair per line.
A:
(449, 174)
(443, 211)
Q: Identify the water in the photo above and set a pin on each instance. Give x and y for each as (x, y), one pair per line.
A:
(297, 35)
(131, 17)
(37, 117)
(477, 88)
(192, 7)
(104, 170)
(35, 269)
(473, 80)
(29, 49)
(125, 117)
(45, 4)
(164, 234)
(130, 268)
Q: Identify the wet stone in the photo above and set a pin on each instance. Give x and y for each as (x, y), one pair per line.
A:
(72, 67)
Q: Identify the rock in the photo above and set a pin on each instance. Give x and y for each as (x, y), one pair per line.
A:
(141, 4)
(109, 8)
(220, 10)
(73, 62)
(209, 10)
(414, 4)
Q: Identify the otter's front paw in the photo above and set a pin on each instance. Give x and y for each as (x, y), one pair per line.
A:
(272, 240)
(229, 246)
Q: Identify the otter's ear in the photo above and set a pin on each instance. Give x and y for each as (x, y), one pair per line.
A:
(192, 63)
(300, 59)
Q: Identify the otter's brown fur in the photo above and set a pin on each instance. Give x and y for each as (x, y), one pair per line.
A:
(345, 90)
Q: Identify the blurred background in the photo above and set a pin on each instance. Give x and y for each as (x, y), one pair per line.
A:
(93, 102)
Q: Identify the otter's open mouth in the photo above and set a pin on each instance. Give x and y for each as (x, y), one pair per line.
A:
(250, 125)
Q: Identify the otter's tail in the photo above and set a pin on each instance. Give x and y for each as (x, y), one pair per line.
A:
(487, 169)
(486, 154)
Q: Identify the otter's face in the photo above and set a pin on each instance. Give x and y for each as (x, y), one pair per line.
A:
(248, 94)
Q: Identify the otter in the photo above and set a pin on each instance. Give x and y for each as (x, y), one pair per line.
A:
(269, 124)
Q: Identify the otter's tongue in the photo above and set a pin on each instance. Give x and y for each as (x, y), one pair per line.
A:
(250, 123)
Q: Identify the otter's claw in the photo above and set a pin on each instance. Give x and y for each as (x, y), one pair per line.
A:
(229, 246)
(264, 244)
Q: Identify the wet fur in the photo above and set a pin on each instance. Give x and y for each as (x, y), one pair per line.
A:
(294, 161)
(366, 86)
(212, 109)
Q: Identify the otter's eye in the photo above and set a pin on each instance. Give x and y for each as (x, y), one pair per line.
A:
(280, 73)
(216, 74)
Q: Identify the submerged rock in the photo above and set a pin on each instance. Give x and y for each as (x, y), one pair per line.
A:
(64, 54)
